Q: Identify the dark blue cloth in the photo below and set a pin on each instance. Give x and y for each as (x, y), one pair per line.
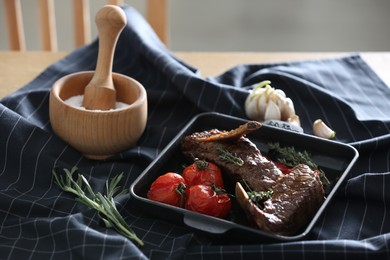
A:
(39, 221)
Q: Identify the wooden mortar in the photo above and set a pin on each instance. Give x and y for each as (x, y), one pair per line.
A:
(98, 134)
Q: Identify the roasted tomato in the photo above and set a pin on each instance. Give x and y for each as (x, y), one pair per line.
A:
(202, 172)
(284, 168)
(208, 200)
(168, 188)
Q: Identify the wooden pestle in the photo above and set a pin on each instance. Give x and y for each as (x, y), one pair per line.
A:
(100, 93)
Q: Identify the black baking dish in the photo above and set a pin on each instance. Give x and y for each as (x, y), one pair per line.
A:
(335, 158)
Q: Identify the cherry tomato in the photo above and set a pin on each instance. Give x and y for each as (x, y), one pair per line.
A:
(207, 200)
(282, 167)
(202, 172)
(168, 188)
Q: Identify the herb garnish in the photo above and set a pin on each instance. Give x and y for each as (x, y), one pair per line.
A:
(104, 204)
(258, 197)
(203, 165)
(228, 156)
(291, 157)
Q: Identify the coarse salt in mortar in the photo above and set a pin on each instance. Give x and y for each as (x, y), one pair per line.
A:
(77, 101)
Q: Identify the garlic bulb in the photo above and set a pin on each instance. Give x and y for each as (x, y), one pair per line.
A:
(320, 129)
(265, 103)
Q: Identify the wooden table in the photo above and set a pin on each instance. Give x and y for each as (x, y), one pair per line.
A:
(19, 68)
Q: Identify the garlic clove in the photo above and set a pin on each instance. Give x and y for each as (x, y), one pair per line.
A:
(268, 92)
(280, 93)
(279, 99)
(262, 106)
(272, 111)
(251, 110)
(320, 129)
(258, 91)
(294, 120)
(288, 109)
(251, 102)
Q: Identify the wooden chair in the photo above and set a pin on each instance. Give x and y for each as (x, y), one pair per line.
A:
(156, 14)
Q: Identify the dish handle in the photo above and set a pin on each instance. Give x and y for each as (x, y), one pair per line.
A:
(209, 225)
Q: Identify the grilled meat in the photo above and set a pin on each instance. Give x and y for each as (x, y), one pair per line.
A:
(296, 196)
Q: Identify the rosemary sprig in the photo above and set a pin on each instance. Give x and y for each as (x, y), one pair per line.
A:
(103, 204)
(229, 157)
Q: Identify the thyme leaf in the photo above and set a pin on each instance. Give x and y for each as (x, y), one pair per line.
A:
(258, 197)
(225, 155)
(289, 156)
(103, 204)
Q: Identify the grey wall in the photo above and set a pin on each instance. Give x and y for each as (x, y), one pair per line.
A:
(250, 25)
